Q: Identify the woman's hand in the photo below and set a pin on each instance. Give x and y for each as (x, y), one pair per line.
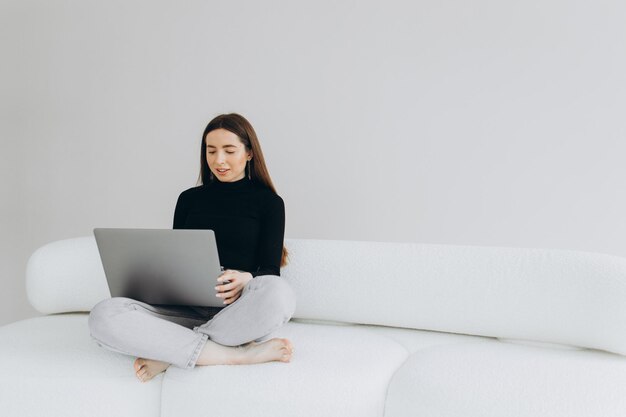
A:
(232, 291)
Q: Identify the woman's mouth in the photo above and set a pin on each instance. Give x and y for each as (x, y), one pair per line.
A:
(222, 171)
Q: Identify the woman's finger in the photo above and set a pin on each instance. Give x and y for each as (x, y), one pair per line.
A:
(227, 277)
(232, 299)
(228, 294)
(225, 294)
(227, 287)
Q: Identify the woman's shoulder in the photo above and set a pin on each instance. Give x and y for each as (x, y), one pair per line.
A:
(267, 192)
(271, 200)
(190, 192)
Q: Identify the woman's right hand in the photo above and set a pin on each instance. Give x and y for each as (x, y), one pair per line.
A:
(231, 284)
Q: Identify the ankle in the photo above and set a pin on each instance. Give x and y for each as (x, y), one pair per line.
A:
(215, 354)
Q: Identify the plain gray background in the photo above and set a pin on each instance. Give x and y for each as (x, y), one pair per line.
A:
(493, 123)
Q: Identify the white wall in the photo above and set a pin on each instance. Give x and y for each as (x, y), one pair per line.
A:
(480, 123)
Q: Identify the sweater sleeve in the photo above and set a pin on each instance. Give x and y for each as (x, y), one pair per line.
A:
(270, 249)
(180, 213)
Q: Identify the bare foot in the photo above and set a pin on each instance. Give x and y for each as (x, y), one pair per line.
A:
(146, 369)
(272, 350)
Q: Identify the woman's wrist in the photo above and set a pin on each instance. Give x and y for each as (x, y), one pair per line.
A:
(248, 275)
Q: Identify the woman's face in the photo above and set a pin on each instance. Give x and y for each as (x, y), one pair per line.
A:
(224, 150)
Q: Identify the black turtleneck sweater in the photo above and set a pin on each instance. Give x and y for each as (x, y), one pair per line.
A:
(248, 220)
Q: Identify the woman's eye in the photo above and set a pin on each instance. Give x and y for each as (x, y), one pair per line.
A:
(226, 152)
(230, 152)
(211, 152)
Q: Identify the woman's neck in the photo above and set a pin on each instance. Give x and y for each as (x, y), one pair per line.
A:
(241, 184)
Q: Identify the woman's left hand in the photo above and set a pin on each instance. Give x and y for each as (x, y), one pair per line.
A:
(232, 291)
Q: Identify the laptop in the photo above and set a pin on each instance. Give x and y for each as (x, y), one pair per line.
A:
(161, 266)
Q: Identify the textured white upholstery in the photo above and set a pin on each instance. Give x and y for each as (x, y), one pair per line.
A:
(51, 367)
(331, 374)
(66, 276)
(336, 371)
(553, 296)
(496, 379)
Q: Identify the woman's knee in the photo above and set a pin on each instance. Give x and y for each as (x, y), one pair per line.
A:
(280, 294)
(101, 314)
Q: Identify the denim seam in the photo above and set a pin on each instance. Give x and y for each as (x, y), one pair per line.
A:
(194, 356)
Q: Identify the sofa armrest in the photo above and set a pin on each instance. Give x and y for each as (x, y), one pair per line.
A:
(66, 276)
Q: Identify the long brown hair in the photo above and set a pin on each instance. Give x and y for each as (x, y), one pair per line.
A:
(258, 172)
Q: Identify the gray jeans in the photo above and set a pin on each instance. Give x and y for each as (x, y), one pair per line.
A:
(177, 334)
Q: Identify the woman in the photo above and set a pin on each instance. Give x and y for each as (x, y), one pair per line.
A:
(237, 200)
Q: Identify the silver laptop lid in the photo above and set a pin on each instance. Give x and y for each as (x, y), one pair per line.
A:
(161, 266)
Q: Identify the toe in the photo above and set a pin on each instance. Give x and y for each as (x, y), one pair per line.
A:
(288, 344)
(139, 362)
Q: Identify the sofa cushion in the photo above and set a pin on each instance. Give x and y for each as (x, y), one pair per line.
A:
(334, 371)
(496, 379)
(51, 367)
(547, 295)
(66, 276)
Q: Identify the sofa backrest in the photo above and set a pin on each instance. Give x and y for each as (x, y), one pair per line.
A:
(546, 295)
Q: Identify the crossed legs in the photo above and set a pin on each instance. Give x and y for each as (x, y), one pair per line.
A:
(161, 336)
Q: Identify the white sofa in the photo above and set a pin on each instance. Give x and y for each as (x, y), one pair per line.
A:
(380, 329)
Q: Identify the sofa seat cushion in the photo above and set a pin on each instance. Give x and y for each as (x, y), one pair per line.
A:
(505, 379)
(51, 367)
(334, 371)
